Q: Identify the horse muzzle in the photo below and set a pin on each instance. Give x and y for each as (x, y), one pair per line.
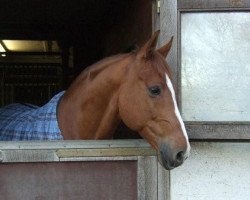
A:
(171, 158)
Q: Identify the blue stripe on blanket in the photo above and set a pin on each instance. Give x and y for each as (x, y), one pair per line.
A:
(25, 122)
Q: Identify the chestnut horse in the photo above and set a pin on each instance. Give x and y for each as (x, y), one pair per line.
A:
(135, 88)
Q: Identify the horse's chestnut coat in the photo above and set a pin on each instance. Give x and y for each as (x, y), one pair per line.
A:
(135, 88)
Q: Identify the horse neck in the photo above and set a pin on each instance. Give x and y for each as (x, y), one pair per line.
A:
(89, 108)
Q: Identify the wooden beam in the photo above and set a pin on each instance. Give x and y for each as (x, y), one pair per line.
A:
(4, 46)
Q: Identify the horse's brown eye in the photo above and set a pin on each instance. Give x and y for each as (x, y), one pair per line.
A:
(154, 91)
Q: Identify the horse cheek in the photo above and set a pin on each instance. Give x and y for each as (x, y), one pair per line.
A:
(128, 111)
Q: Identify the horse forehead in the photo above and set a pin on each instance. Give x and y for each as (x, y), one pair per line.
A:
(159, 64)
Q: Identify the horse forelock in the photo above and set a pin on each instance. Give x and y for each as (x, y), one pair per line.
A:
(160, 65)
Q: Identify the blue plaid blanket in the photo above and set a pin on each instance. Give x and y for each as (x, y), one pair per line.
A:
(29, 122)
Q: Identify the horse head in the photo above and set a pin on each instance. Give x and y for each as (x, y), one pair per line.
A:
(136, 88)
(147, 104)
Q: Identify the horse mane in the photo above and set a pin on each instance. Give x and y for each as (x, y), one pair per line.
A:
(156, 60)
(93, 70)
(98, 67)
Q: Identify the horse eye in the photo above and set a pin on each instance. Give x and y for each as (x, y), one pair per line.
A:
(154, 91)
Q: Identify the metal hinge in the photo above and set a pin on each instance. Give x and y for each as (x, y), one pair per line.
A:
(158, 6)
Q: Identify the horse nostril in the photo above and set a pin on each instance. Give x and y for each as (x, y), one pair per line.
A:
(180, 156)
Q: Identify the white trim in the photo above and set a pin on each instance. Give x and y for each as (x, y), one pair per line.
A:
(74, 144)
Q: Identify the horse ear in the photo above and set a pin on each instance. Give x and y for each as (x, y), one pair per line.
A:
(147, 50)
(165, 49)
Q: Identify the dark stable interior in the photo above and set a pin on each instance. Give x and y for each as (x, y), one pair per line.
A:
(86, 31)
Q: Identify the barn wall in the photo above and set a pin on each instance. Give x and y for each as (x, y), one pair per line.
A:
(214, 171)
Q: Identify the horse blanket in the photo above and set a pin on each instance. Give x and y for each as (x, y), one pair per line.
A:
(29, 122)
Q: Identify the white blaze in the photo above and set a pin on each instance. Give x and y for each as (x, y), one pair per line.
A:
(177, 113)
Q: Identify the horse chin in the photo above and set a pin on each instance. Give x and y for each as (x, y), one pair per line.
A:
(148, 134)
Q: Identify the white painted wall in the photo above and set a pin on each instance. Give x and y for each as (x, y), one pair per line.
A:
(214, 171)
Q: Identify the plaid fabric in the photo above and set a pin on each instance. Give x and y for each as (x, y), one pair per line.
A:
(29, 122)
